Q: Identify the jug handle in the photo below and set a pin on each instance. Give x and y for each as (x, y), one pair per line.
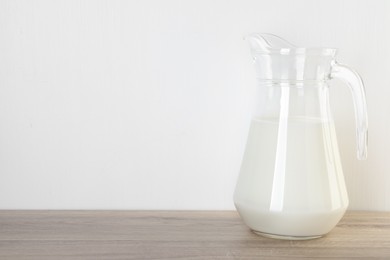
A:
(355, 83)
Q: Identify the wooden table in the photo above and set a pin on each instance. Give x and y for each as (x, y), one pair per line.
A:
(178, 235)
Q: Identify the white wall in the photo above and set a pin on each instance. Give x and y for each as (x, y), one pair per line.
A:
(146, 104)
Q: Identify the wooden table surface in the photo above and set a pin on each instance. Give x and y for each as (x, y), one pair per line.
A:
(177, 235)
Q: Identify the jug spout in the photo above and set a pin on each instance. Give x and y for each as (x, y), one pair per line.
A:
(268, 43)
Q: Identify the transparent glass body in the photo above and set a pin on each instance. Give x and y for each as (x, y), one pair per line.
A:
(291, 182)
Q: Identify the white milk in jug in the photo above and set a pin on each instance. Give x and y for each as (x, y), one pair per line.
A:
(291, 178)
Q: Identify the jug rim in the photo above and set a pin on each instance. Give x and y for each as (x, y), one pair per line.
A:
(298, 51)
(268, 44)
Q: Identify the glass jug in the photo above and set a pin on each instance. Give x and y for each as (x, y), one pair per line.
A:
(291, 183)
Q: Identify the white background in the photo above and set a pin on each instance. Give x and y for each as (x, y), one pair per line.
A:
(146, 104)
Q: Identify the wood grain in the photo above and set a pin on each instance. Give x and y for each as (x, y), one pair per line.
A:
(177, 235)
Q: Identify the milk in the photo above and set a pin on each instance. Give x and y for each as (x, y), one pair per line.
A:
(291, 182)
